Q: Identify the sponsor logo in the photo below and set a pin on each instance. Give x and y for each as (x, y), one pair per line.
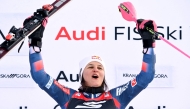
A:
(160, 76)
(96, 57)
(14, 76)
(155, 76)
(129, 75)
(62, 76)
(120, 90)
(106, 95)
(163, 77)
(97, 34)
(91, 104)
(170, 34)
(48, 85)
(133, 82)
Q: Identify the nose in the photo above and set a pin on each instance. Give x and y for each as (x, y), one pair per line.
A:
(95, 69)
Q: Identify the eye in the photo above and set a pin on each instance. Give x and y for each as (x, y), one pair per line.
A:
(90, 67)
(100, 68)
(119, 10)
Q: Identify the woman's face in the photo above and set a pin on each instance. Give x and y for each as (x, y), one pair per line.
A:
(93, 74)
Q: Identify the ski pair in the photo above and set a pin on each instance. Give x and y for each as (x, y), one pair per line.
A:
(15, 36)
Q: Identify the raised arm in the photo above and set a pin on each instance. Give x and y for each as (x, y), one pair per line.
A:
(125, 93)
(59, 93)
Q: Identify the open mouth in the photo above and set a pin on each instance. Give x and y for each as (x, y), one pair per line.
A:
(95, 76)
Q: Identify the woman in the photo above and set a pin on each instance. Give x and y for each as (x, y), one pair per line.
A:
(93, 92)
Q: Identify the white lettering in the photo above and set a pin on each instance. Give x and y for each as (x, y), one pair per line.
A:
(120, 90)
(48, 85)
(91, 104)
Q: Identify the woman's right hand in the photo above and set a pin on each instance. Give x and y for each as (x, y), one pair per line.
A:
(35, 39)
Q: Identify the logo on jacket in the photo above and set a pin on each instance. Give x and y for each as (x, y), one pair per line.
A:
(91, 104)
(133, 82)
(121, 89)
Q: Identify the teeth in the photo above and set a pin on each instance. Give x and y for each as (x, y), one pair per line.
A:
(95, 76)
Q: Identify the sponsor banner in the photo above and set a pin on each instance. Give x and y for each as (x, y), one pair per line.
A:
(15, 73)
(163, 75)
(98, 28)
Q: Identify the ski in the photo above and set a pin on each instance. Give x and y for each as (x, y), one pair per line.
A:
(15, 35)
